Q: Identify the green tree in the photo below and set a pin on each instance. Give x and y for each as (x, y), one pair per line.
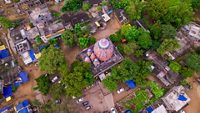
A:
(156, 30)
(195, 4)
(138, 53)
(175, 12)
(193, 61)
(92, 40)
(168, 31)
(72, 5)
(144, 40)
(51, 60)
(110, 84)
(168, 45)
(79, 77)
(43, 84)
(115, 38)
(5, 22)
(38, 40)
(83, 42)
(186, 72)
(129, 48)
(134, 9)
(130, 32)
(68, 38)
(56, 91)
(175, 66)
(86, 6)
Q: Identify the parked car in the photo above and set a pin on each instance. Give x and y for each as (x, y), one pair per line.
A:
(113, 110)
(85, 103)
(120, 90)
(79, 100)
(88, 107)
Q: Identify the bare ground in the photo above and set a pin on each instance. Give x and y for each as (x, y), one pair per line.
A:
(112, 26)
(194, 94)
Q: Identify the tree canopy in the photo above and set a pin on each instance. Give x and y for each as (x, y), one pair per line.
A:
(43, 84)
(175, 66)
(51, 60)
(72, 5)
(80, 76)
(174, 12)
(5, 22)
(193, 61)
(168, 45)
(68, 38)
(144, 40)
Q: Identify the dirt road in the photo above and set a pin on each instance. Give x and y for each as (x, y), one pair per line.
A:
(194, 94)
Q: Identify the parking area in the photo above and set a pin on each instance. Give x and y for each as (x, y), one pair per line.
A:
(99, 100)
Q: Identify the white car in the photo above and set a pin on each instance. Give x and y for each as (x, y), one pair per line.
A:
(113, 110)
(182, 111)
(79, 100)
(120, 90)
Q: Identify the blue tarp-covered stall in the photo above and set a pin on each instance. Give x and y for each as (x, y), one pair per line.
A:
(32, 55)
(24, 76)
(23, 107)
(131, 84)
(4, 53)
(149, 109)
(127, 111)
(3, 110)
(7, 91)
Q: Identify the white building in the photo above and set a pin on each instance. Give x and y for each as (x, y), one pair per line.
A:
(176, 99)
(160, 109)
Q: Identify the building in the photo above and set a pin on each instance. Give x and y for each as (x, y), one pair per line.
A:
(23, 6)
(40, 16)
(161, 70)
(70, 20)
(192, 32)
(121, 16)
(7, 1)
(176, 99)
(102, 56)
(51, 31)
(30, 34)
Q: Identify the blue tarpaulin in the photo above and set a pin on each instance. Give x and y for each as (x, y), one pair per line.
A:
(3, 110)
(149, 109)
(127, 111)
(131, 84)
(4, 54)
(7, 91)
(182, 98)
(23, 107)
(24, 76)
(31, 53)
(17, 83)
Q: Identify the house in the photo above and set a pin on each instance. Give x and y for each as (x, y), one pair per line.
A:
(176, 99)
(30, 34)
(161, 70)
(121, 16)
(16, 36)
(4, 54)
(40, 16)
(22, 46)
(192, 31)
(23, 6)
(70, 20)
(51, 31)
(8, 72)
(102, 56)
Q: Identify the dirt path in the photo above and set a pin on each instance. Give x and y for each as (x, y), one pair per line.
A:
(194, 94)
(112, 26)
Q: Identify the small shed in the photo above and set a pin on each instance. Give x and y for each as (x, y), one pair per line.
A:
(7, 91)
(4, 53)
(24, 76)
